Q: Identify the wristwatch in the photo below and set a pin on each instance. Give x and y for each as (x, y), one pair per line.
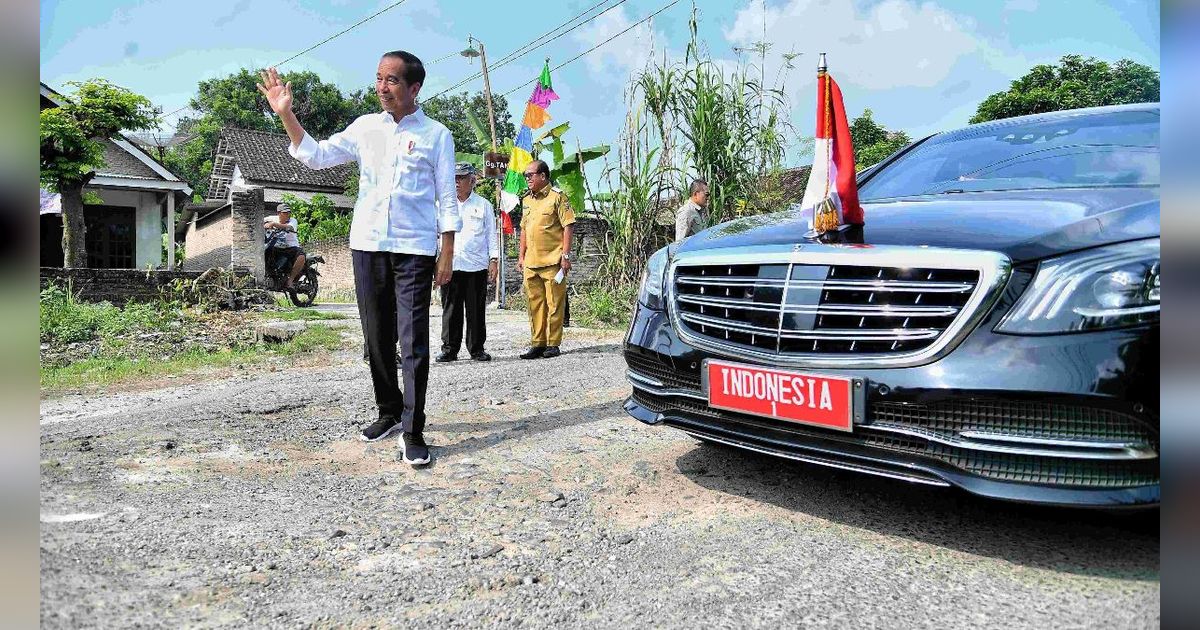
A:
(566, 256)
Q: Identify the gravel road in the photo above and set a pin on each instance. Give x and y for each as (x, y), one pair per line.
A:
(249, 501)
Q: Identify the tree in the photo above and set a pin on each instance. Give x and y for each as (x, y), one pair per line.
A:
(872, 142)
(452, 110)
(1074, 82)
(72, 148)
(864, 131)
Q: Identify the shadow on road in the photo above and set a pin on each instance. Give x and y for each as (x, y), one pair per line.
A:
(1117, 545)
(524, 427)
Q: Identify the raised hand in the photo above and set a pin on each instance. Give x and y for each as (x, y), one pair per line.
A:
(277, 93)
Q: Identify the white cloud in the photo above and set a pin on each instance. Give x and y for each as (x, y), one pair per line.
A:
(896, 43)
(616, 60)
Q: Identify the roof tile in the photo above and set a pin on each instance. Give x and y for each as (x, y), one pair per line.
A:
(263, 156)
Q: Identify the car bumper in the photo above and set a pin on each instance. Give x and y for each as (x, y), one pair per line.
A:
(1078, 397)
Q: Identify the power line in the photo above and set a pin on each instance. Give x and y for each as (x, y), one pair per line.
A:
(525, 49)
(576, 57)
(443, 58)
(326, 41)
(347, 30)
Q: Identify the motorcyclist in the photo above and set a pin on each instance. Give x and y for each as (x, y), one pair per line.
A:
(286, 249)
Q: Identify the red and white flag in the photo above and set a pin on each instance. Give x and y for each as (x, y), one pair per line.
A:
(831, 197)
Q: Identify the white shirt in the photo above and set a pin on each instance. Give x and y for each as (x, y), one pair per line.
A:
(290, 237)
(406, 183)
(476, 244)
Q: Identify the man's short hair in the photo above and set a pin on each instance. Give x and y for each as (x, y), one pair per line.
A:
(542, 168)
(414, 70)
(697, 185)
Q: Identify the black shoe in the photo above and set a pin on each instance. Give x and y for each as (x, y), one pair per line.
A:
(446, 357)
(481, 356)
(413, 449)
(381, 428)
(551, 352)
(534, 353)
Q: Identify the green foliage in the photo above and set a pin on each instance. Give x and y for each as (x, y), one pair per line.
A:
(864, 131)
(1074, 82)
(71, 136)
(601, 307)
(872, 142)
(629, 210)
(317, 219)
(352, 181)
(566, 166)
(290, 313)
(688, 119)
(107, 370)
(456, 111)
(63, 319)
(180, 253)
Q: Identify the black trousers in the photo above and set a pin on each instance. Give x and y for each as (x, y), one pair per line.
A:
(393, 304)
(466, 291)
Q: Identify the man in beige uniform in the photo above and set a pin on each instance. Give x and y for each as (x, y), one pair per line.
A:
(547, 223)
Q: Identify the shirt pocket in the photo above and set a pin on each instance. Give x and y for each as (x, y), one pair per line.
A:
(549, 219)
(413, 156)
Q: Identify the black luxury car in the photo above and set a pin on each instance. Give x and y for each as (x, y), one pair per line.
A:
(993, 326)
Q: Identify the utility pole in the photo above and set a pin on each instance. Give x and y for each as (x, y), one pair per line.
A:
(487, 96)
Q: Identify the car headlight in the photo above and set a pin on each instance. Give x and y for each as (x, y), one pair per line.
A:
(653, 281)
(1105, 287)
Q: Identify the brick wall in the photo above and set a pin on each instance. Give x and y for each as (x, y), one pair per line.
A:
(246, 232)
(337, 274)
(208, 245)
(114, 285)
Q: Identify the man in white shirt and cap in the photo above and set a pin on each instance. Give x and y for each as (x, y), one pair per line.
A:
(476, 256)
(406, 202)
(286, 250)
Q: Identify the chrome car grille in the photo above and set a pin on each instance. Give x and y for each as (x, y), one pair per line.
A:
(831, 306)
(1071, 468)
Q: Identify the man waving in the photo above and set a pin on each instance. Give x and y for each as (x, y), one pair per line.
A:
(406, 198)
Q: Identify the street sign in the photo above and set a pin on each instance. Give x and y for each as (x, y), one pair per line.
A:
(494, 165)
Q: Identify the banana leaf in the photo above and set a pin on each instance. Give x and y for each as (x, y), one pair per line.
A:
(556, 132)
(474, 159)
(573, 187)
(588, 154)
(481, 131)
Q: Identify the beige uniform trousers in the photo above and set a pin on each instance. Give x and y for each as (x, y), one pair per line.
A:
(546, 298)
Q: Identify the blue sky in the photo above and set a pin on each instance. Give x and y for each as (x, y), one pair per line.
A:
(920, 66)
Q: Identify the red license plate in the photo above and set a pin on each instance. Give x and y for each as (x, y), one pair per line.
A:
(824, 401)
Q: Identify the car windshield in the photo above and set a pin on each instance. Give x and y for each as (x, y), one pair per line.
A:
(1112, 149)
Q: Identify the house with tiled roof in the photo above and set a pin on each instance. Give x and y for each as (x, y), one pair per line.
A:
(137, 199)
(245, 157)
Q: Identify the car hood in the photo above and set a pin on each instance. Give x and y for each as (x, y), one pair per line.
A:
(1025, 225)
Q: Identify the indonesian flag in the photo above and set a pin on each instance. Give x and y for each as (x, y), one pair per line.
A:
(831, 197)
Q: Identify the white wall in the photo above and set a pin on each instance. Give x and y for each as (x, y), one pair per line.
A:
(147, 223)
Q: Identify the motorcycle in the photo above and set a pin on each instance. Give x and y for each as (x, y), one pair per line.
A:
(304, 289)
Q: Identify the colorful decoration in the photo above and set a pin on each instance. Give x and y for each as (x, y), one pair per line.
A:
(522, 154)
